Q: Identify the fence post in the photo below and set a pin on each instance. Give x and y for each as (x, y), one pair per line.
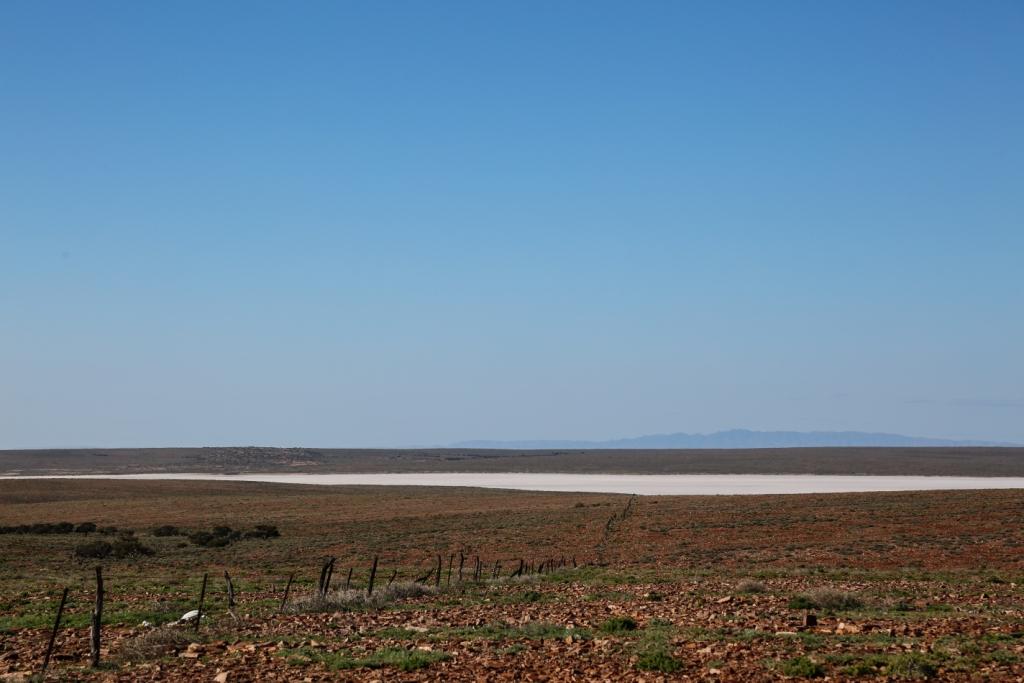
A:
(451, 559)
(373, 574)
(287, 587)
(462, 561)
(53, 634)
(97, 619)
(202, 597)
(231, 589)
(437, 579)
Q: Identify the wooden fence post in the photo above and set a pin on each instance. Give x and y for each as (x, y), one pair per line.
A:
(348, 579)
(287, 587)
(451, 559)
(202, 597)
(231, 590)
(325, 577)
(373, 573)
(53, 634)
(437, 579)
(97, 620)
(330, 575)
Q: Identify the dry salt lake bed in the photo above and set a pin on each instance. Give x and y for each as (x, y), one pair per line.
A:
(640, 484)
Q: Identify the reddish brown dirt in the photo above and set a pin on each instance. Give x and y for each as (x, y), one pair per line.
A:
(936, 579)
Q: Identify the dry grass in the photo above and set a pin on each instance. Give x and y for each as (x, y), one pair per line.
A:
(162, 641)
(341, 600)
(750, 586)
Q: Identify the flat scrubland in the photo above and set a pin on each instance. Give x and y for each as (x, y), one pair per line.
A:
(903, 585)
(879, 461)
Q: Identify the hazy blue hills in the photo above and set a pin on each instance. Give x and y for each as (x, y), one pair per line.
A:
(736, 438)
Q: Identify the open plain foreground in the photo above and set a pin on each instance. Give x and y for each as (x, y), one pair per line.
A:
(879, 586)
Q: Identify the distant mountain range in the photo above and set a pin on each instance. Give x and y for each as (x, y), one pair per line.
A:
(735, 438)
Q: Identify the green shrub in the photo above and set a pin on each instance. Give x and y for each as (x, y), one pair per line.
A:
(657, 659)
(801, 602)
(85, 528)
(167, 530)
(801, 667)
(912, 665)
(619, 625)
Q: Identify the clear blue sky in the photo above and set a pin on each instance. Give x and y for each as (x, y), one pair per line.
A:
(410, 223)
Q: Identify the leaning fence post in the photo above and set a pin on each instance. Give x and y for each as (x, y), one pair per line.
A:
(348, 579)
(325, 577)
(53, 634)
(202, 596)
(231, 589)
(287, 587)
(97, 619)
(462, 561)
(373, 574)
(451, 559)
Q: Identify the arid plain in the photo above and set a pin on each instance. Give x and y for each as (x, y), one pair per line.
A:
(882, 586)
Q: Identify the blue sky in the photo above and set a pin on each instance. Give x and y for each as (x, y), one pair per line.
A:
(377, 224)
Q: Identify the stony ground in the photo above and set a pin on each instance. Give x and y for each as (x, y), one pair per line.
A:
(901, 586)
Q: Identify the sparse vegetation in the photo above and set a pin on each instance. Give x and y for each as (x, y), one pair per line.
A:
(750, 587)
(673, 600)
(399, 658)
(617, 625)
(801, 667)
(826, 599)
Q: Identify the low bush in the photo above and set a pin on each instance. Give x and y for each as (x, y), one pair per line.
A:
(167, 530)
(358, 599)
(95, 550)
(620, 625)
(205, 539)
(48, 528)
(826, 599)
(128, 546)
(657, 659)
(750, 586)
(221, 536)
(801, 667)
(263, 531)
(154, 644)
